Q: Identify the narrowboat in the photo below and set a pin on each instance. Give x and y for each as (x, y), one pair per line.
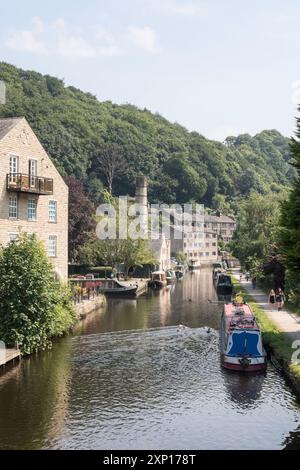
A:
(170, 276)
(224, 284)
(158, 280)
(241, 340)
(114, 288)
(179, 271)
(109, 287)
(194, 265)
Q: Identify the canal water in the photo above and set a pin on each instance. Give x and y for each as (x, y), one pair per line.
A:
(129, 378)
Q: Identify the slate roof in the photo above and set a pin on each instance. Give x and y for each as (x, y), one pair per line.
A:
(7, 124)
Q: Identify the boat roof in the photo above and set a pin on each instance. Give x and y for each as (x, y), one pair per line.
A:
(240, 316)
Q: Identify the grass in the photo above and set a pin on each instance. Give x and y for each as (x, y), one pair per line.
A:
(276, 340)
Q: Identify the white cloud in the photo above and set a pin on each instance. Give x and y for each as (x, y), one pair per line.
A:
(25, 41)
(59, 24)
(145, 38)
(60, 39)
(106, 44)
(221, 132)
(74, 47)
(186, 9)
(38, 24)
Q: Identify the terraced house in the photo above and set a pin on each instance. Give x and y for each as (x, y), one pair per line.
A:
(33, 195)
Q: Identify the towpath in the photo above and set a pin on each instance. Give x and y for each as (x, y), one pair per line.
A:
(285, 320)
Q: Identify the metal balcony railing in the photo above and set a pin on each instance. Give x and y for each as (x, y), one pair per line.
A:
(24, 183)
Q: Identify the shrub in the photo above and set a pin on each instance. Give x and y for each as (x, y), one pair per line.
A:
(34, 305)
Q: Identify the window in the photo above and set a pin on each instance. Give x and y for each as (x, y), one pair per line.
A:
(32, 172)
(13, 207)
(31, 209)
(52, 211)
(13, 168)
(52, 246)
(13, 237)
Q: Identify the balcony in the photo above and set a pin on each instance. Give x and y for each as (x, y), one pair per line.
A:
(22, 183)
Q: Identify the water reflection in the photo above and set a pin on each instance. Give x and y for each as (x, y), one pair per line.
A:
(243, 389)
(130, 378)
(34, 398)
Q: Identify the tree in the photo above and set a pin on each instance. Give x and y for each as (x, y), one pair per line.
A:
(81, 216)
(70, 124)
(181, 257)
(129, 252)
(34, 306)
(110, 162)
(257, 228)
(290, 221)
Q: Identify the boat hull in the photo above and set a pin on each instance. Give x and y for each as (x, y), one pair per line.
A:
(225, 290)
(120, 292)
(257, 365)
(179, 274)
(157, 284)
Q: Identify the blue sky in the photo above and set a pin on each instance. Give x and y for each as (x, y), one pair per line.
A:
(218, 67)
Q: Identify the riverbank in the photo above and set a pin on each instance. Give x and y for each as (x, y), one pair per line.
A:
(280, 330)
(89, 306)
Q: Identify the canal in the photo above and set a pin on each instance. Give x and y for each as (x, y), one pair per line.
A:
(129, 378)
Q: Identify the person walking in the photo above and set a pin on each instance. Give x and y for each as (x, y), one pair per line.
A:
(280, 299)
(254, 283)
(272, 297)
(247, 276)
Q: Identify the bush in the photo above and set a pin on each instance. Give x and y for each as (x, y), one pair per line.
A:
(34, 305)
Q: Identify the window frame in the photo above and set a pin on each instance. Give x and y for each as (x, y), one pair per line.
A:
(30, 219)
(52, 238)
(11, 198)
(51, 210)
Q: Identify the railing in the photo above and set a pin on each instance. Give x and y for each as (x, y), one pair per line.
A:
(84, 289)
(25, 183)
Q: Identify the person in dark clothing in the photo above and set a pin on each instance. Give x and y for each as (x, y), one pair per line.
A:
(272, 297)
(280, 299)
(254, 283)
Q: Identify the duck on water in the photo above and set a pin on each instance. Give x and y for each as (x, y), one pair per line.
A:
(240, 337)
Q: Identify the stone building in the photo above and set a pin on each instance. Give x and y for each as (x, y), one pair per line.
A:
(223, 225)
(33, 195)
(198, 243)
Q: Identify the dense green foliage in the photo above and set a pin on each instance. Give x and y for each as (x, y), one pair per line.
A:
(81, 216)
(130, 252)
(290, 226)
(181, 166)
(34, 306)
(256, 237)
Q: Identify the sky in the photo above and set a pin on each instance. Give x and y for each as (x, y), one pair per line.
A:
(217, 67)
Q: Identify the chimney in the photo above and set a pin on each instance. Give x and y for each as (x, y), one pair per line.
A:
(141, 201)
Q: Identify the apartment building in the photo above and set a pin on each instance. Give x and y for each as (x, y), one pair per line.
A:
(199, 243)
(33, 195)
(223, 225)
